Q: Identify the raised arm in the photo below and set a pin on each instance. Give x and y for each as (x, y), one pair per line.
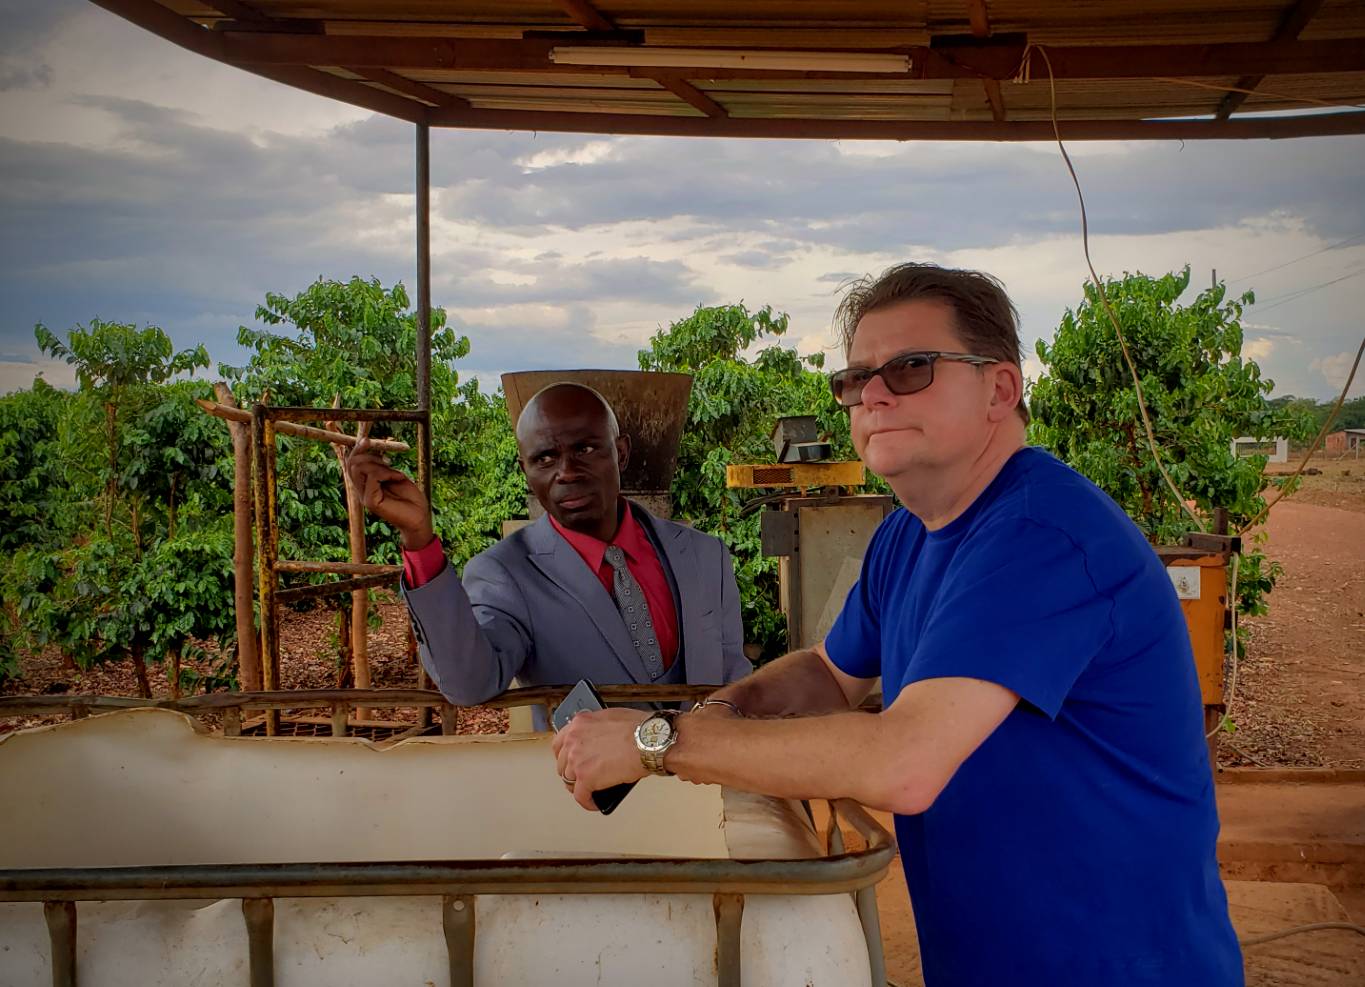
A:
(473, 636)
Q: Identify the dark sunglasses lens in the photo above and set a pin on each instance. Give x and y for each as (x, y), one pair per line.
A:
(847, 386)
(908, 374)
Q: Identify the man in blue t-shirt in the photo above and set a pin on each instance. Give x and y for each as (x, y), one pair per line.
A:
(1041, 742)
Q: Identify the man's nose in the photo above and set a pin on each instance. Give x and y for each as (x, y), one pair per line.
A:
(569, 470)
(876, 393)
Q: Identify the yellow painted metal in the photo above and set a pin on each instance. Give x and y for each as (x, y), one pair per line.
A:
(1205, 618)
(849, 474)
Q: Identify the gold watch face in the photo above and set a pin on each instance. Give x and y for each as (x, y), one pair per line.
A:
(655, 733)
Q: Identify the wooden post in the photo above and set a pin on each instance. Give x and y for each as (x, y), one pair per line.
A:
(360, 599)
(423, 204)
(243, 562)
(263, 448)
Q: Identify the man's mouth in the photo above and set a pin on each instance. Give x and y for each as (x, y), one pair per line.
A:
(575, 503)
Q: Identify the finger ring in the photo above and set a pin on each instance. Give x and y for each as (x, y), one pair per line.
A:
(568, 781)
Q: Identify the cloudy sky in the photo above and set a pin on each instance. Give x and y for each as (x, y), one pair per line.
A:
(139, 182)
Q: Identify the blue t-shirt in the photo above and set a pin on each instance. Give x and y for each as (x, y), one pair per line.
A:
(1076, 844)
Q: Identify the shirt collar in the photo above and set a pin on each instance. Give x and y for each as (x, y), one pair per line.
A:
(630, 538)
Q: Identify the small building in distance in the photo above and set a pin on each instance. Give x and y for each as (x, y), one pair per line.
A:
(1346, 441)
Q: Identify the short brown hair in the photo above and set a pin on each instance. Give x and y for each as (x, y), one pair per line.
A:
(986, 320)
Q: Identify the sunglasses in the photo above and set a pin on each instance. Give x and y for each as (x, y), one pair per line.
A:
(904, 374)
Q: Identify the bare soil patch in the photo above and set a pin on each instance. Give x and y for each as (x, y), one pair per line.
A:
(1300, 696)
(308, 660)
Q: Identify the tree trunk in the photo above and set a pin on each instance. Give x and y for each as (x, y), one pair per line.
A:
(1136, 456)
(170, 510)
(345, 669)
(137, 527)
(243, 555)
(111, 484)
(174, 656)
(144, 688)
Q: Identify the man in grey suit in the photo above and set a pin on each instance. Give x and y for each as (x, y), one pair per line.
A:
(596, 588)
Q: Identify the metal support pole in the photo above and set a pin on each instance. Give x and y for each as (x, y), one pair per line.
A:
(260, 937)
(866, 901)
(61, 931)
(263, 441)
(457, 920)
(424, 307)
(729, 918)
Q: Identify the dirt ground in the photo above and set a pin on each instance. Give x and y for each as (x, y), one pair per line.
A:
(1300, 695)
(308, 660)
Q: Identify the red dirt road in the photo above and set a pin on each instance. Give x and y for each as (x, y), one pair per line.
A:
(1301, 693)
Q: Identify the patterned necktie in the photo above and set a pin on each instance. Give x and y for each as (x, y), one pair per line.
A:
(630, 601)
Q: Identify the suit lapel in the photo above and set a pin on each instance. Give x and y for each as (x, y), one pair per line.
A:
(699, 666)
(557, 560)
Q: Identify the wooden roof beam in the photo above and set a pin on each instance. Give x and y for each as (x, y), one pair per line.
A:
(985, 61)
(1295, 19)
(1311, 125)
(238, 10)
(586, 15)
(153, 17)
(980, 19)
(684, 90)
(409, 87)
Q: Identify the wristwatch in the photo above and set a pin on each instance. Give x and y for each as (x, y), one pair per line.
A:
(654, 737)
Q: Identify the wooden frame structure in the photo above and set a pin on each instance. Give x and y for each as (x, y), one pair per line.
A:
(881, 69)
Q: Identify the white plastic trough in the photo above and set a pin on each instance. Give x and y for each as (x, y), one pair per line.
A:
(94, 805)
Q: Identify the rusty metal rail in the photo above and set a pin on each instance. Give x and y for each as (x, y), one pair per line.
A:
(229, 703)
(458, 882)
(339, 701)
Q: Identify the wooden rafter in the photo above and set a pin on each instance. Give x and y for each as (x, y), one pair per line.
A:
(1308, 125)
(980, 19)
(989, 61)
(683, 89)
(1295, 19)
(586, 15)
(238, 10)
(409, 87)
(152, 16)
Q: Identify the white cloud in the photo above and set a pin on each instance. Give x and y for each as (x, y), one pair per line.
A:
(1334, 370)
(1257, 349)
(17, 375)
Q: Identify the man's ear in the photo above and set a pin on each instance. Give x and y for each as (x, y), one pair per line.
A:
(1007, 391)
(622, 452)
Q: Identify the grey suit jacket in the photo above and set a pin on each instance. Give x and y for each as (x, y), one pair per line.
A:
(529, 608)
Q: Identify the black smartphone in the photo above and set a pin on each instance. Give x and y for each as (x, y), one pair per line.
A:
(582, 697)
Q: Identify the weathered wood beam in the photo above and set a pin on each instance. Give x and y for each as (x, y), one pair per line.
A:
(151, 16)
(586, 15)
(980, 20)
(1295, 19)
(988, 61)
(1312, 125)
(684, 90)
(238, 10)
(402, 84)
(300, 431)
(996, 98)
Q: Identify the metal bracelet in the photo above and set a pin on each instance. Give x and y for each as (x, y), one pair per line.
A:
(720, 702)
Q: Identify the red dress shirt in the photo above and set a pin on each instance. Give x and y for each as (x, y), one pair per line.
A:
(425, 564)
